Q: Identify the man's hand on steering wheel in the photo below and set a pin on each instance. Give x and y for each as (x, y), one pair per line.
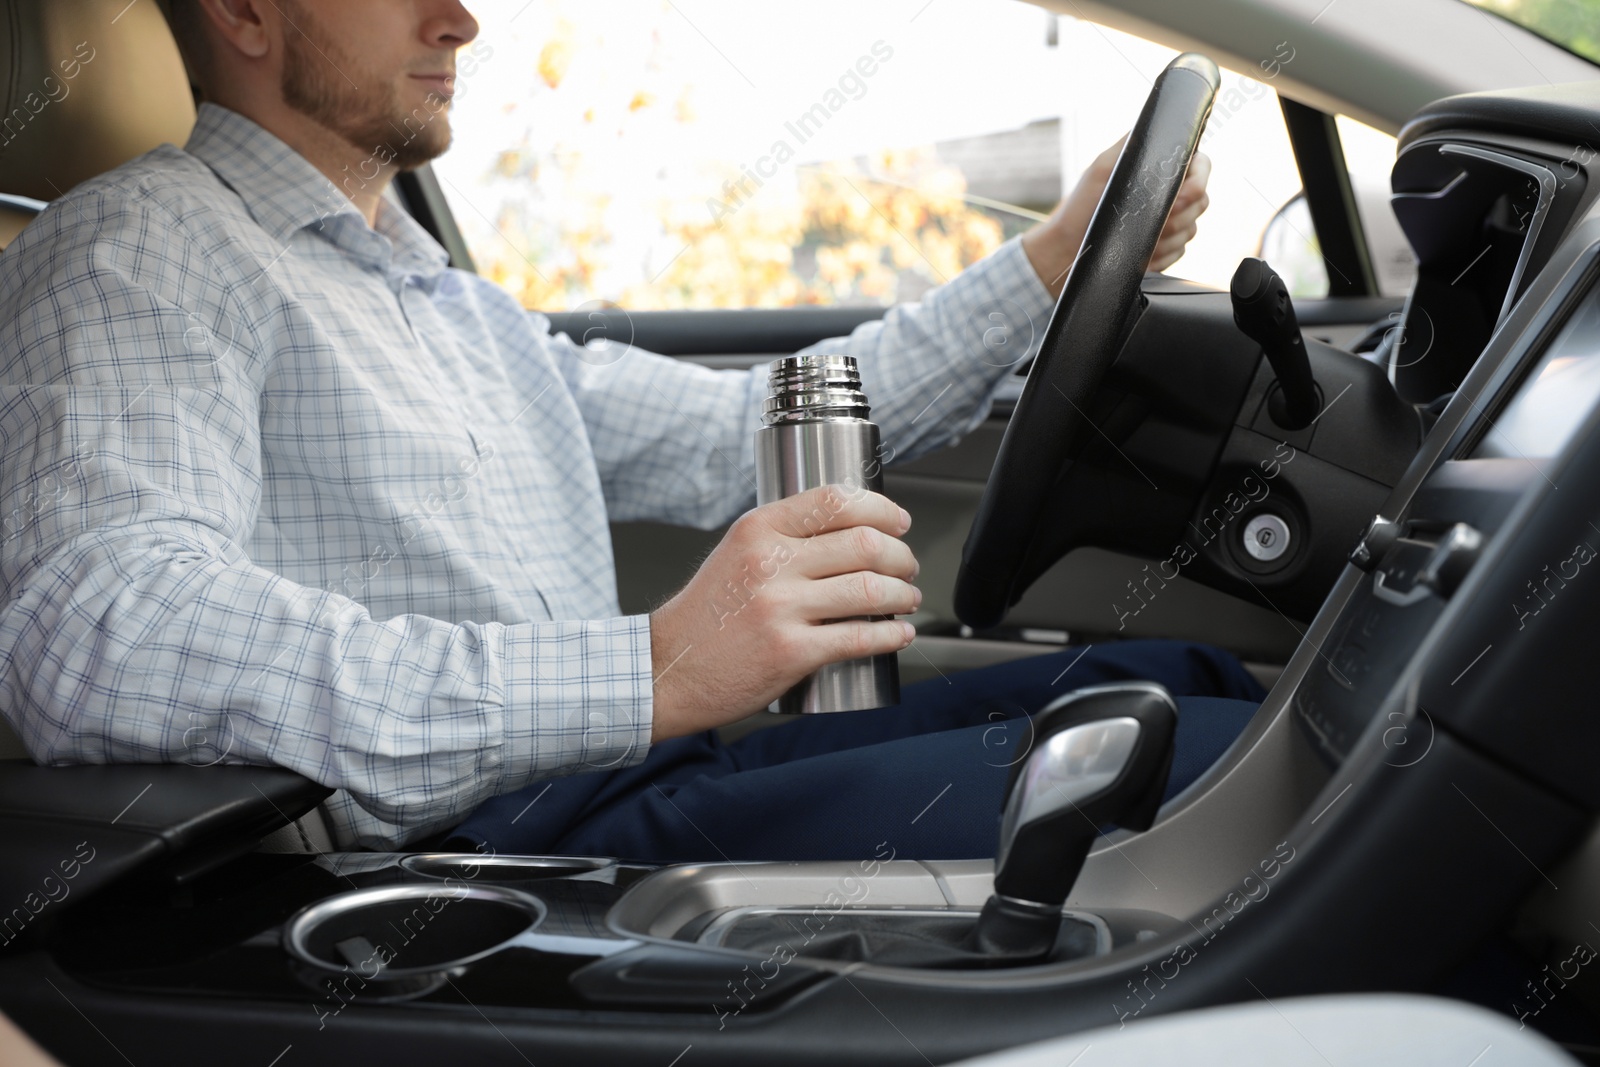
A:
(1053, 244)
(1137, 221)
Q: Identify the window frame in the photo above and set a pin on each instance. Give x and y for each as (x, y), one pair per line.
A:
(1330, 196)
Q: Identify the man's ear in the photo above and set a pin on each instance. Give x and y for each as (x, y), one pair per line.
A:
(246, 26)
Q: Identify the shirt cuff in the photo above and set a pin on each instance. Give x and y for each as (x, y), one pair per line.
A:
(578, 697)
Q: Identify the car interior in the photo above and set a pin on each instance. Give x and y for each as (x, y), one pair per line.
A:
(1383, 506)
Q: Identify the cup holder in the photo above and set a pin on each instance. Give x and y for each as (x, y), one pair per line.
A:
(466, 867)
(408, 938)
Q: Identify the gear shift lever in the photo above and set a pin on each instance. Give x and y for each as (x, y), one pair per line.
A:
(1099, 755)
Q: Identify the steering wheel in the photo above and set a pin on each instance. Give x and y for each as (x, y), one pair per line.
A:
(1049, 427)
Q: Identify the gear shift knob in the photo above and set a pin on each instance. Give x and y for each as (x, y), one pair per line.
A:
(1100, 755)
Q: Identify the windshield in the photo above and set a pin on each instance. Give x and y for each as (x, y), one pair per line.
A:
(1572, 24)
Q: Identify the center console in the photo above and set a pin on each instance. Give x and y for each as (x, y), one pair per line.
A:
(591, 934)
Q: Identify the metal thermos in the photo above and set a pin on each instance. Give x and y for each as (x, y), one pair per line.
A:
(816, 432)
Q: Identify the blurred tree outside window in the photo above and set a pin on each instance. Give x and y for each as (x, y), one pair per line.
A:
(664, 154)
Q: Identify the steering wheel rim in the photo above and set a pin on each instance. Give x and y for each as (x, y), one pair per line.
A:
(1049, 426)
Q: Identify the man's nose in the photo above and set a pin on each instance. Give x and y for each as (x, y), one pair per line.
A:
(450, 25)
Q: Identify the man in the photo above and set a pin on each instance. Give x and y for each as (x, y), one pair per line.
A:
(294, 493)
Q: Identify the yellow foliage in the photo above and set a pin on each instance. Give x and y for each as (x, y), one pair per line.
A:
(554, 59)
(851, 237)
(869, 232)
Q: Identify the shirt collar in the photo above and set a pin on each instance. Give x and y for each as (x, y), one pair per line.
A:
(285, 193)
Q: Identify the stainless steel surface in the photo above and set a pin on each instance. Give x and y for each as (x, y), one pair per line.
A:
(299, 931)
(1457, 551)
(716, 931)
(816, 434)
(1069, 768)
(661, 904)
(1381, 532)
(965, 883)
(1028, 905)
(398, 983)
(1266, 537)
(814, 387)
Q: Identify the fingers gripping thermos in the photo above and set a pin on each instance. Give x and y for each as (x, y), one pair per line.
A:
(816, 432)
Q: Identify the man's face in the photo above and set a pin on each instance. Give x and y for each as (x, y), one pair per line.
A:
(379, 73)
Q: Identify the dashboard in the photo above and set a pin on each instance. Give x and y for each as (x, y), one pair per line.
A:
(1484, 211)
(1503, 325)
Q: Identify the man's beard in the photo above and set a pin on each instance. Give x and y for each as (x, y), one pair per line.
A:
(372, 118)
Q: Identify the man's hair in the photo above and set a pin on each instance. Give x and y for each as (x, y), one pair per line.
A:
(186, 21)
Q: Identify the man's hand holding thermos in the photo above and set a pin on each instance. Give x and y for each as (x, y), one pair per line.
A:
(793, 606)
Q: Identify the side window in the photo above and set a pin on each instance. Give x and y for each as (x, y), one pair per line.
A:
(1369, 154)
(1290, 243)
(686, 155)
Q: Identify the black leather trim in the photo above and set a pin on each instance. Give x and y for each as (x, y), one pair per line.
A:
(103, 823)
(1566, 112)
(179, 804)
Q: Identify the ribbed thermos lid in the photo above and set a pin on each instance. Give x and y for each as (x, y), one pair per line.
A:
(814, 387)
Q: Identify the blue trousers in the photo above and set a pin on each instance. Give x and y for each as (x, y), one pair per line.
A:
(924, 778)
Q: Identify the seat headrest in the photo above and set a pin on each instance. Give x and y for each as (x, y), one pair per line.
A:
(87, 85)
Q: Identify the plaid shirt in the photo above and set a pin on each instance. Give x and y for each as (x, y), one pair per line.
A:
(277, 487)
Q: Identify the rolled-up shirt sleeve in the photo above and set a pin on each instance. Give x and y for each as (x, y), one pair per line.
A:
(135, 628)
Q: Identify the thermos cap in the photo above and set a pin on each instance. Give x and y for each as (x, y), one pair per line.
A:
(814, 387)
